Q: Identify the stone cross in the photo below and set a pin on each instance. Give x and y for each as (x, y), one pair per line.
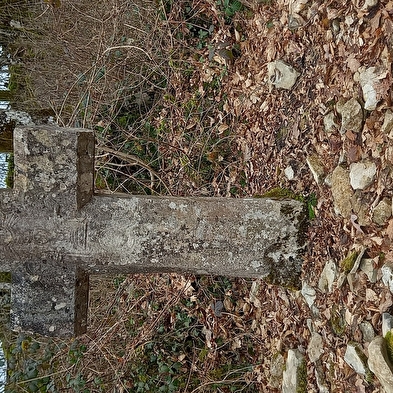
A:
(54, 232)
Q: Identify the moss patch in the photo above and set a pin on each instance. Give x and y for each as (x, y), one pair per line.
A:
(389, 345)
(348, 262)
(302, 378)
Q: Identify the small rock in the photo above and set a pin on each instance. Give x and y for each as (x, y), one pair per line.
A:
(367, 267)
(20, 118)
(327, 277)
(315, 347)
(282, 75)
(382, 211)
(351, 116)
(387, 126)
(387, 323)
(380, 364)
(309, 294)
(316, 168)
(341, 191)
(295, 374)
(387, 276)
(369, 79)
(277, 367)
(15, 24)
(329, 123)
(369, 4)
(320, 378)
(356, 359)
(362, 174)
(289, 173)
(367, 330)
(328, 180)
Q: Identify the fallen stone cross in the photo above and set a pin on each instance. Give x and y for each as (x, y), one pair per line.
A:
(54, 232)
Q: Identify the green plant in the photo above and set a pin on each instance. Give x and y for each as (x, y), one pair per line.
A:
(389, 345)
(9, 180)
(285, 193)
(230, 7)
(29, 365)
(76, 351)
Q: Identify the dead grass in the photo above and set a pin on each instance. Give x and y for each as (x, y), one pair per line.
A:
(130, 70)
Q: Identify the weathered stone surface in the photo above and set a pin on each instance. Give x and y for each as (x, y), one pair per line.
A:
(362, 174)
(320, 378)
(315, 347)
(309, 294)
(387, 323)
(327, 277)
(355, 358)
(54, 232)
(367, 267)
(387, 275)
(329, 122)
(316, 167)
(282, 75)
(8, 120)
(295, 374)
(383, 211)
(351, 116)
(346, 201)
(342, 191)
(367, 330)
(289, 172)
(369, 79)
(380, 364)
(387, 126)
(277, 366)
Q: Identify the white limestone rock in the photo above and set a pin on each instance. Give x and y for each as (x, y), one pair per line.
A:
(367, 267)
(282, 75)
(351, 116)
(295, 374)
(369, 79)
(289, 173)
(387, 323)
(387, 126)
(355, 358)
(330, 123)
(327, 277)
(362, 174)
(367, 330)
(309, 294)
(341, 191)
(315, 347)
(380, 364)
(321, 380)
(387, 276)
(382, 211)
(316, 167)
(20, 118)
(277, 367)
